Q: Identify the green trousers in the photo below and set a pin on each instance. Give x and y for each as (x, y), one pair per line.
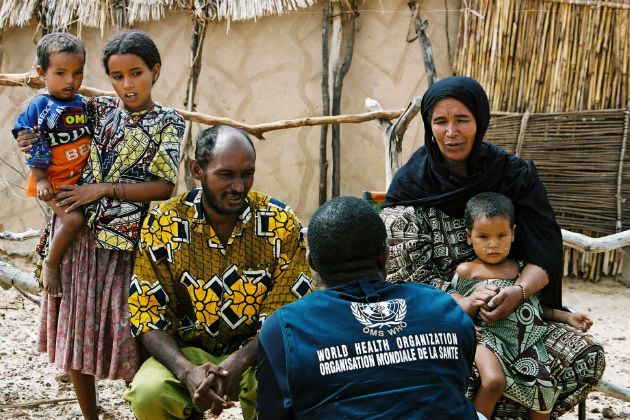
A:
(156, 394)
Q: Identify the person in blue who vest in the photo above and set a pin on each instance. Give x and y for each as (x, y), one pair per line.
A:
(363, 348)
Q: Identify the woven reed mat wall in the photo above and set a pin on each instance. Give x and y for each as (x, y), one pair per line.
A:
(579, 156)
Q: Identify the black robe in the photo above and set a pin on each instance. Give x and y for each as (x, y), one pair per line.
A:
(426, 180)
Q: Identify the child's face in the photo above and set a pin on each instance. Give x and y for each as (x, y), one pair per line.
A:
(491, 238)
(132, 80)
(64, 74)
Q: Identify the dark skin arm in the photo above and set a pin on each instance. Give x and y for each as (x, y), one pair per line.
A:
(575, 319)
(44, 189)
(533, 278)
(208, 383)
(165, 349)
(75, 195)
(477, 299)
(229, 385)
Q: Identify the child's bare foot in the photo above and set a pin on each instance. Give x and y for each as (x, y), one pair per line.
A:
(50, 279)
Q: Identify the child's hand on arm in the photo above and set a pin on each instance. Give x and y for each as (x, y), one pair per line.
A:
(44, 190)
(580, 321)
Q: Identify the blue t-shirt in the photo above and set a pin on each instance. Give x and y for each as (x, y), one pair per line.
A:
(58, 122)
(367, 350)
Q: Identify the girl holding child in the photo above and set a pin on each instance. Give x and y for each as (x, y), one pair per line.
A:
(133, 160)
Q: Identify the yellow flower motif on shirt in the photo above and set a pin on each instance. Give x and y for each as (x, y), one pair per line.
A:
(145, 302)
(281, 225)
(205, 304)
(162, 230)
(247, 299)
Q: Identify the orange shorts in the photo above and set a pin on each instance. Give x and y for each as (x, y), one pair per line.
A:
(68, 161)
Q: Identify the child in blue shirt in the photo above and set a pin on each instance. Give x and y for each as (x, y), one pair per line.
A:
(59, 117)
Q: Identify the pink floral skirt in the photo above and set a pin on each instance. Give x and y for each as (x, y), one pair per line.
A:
(88, 328)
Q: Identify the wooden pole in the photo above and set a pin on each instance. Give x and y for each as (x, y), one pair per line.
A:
(622, 154)
(256, 130)
(614, 390)
(425, 43)
(339, 72)
(11, 276)
(120, 8)
(323, 137)
(589, 244)
(29, 233)
(393, 135)
(385, 126)
(521, 133)
(196, 50)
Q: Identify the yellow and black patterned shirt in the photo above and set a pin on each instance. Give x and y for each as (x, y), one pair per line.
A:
(206, 295)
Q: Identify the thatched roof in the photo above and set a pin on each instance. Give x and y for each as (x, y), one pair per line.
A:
(60, 14)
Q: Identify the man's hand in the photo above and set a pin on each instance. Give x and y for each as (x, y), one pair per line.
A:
(502, 305)
(201, 382)
(227, 385)
(25, 139)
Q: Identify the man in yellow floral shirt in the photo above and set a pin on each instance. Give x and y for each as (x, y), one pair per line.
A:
(212, 264)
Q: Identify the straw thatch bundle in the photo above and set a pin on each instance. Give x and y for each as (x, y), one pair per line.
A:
(61, 14)
(548, 56)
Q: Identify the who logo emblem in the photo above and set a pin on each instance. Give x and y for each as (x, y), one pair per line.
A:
(389, 313)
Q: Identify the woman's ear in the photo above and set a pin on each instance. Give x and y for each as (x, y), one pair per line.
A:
(156, 72)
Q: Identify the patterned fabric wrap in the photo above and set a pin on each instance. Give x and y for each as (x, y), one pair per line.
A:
(517, 342)
(88, 328)
(128, 147)
(427, 245)
(188, 284)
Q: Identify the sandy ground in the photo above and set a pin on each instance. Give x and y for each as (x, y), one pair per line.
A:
(27, 377)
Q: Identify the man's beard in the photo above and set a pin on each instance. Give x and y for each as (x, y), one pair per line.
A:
(210, 200)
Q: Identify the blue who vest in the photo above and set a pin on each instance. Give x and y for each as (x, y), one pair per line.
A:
(368, 349)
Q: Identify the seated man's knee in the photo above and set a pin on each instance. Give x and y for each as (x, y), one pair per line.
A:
(150, 397)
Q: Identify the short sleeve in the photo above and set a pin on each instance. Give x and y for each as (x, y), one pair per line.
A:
(40, 155)
(165, 163)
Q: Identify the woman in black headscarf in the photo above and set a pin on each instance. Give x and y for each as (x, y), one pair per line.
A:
(424, 211)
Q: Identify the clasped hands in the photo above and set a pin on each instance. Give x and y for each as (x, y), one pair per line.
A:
(210, 386)
(491, 303)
